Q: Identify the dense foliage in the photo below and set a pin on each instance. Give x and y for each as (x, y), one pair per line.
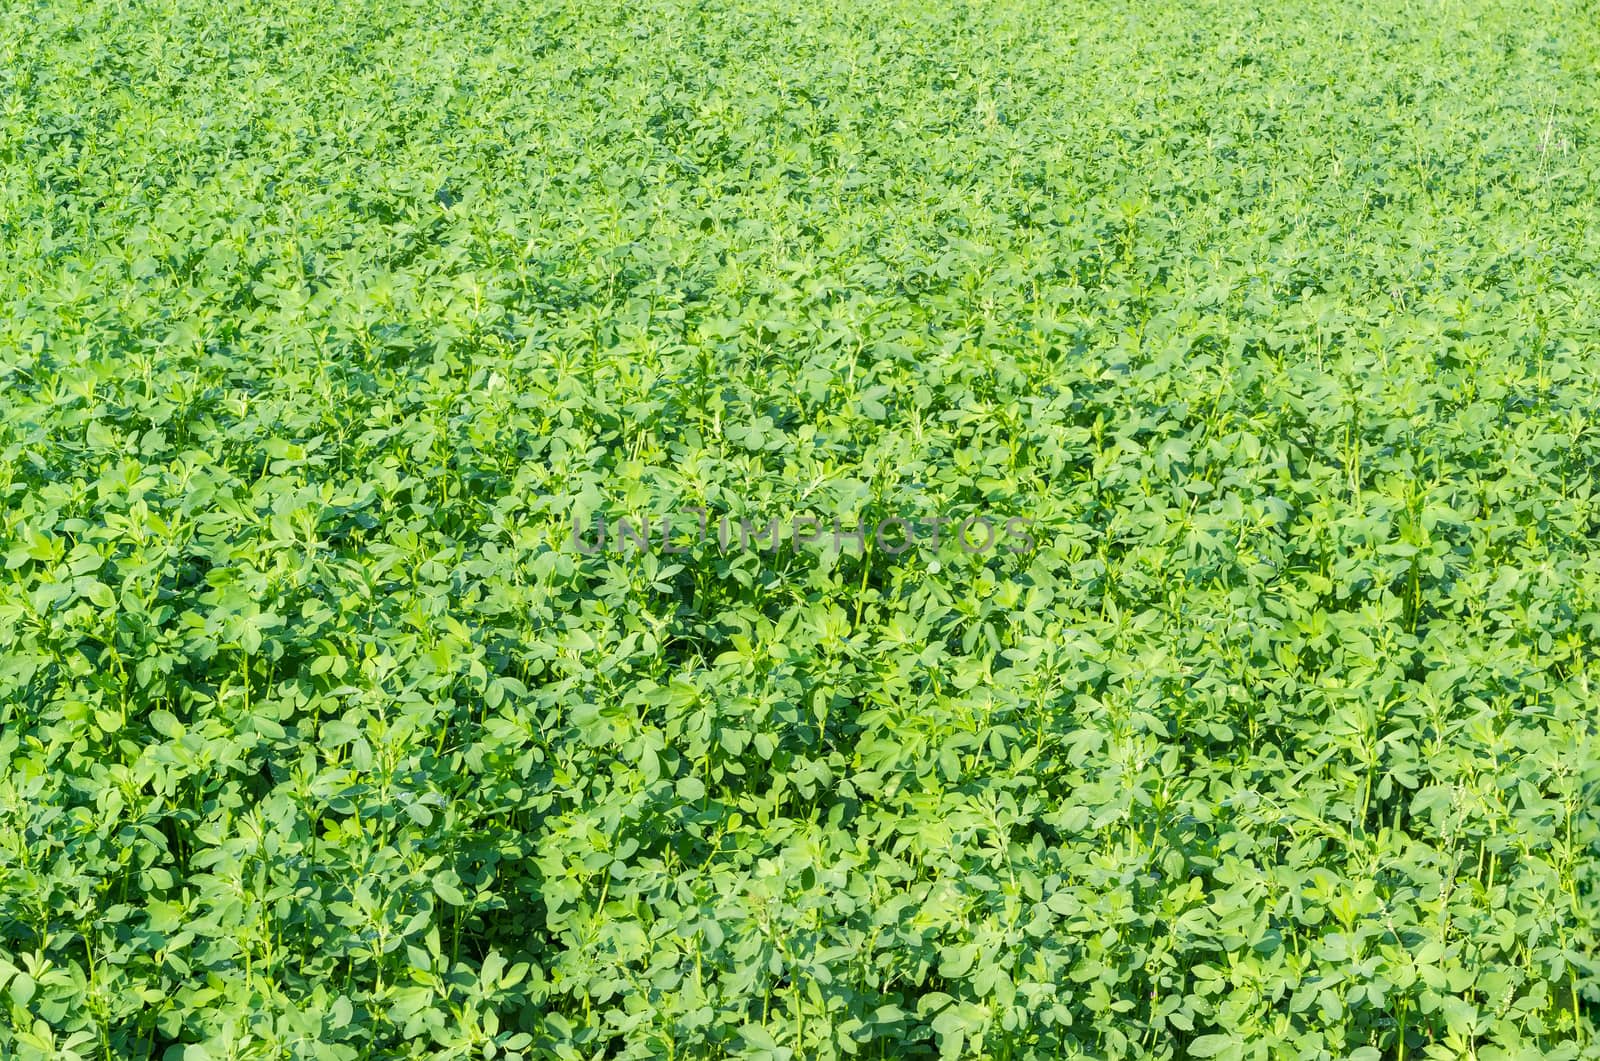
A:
(320, 324)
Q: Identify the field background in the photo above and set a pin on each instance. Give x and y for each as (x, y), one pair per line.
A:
(320, 322)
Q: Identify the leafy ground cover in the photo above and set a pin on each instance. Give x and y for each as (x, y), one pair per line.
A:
(322, 322)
